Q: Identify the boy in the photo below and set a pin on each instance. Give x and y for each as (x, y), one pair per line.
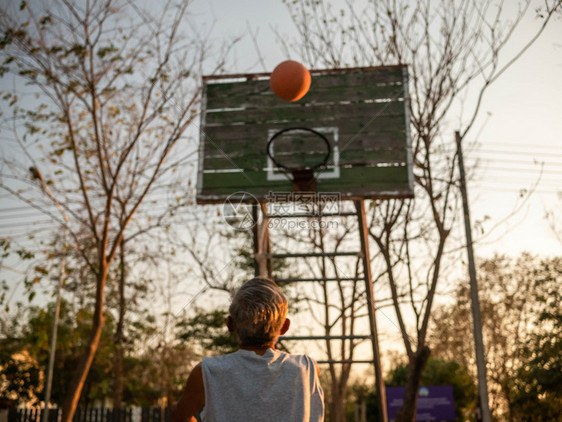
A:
(256, 383)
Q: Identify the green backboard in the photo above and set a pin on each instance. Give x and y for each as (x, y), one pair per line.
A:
(362, 112)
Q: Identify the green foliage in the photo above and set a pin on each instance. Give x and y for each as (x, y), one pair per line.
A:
(208, 331)
(442, 372)
(33, 342)
(537, 386)
(244, 255)
(7, 250)
(72, 334)
(24, 352)
(520, 303)
(140, 388)
(20, 374)
(436, 372)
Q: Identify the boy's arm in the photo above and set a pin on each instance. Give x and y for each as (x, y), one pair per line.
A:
(192, 399)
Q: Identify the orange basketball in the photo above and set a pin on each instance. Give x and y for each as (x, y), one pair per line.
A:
(290, 80)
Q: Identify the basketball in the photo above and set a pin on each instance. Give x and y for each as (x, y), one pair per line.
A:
(290, 80)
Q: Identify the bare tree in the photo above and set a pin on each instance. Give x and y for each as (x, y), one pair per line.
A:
(116, 90)
(453, 51)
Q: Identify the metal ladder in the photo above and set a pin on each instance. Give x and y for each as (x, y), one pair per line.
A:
(263, 257)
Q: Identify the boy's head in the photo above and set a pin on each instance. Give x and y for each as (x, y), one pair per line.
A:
(258, 312)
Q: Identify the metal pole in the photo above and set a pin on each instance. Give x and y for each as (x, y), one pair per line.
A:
(36, 175)
(262, 260)
(256, 240)
(266, 241)
(379, 381)
(53, 344)
(475, 302)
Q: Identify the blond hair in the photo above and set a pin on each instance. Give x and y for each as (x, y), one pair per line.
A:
(258, 310)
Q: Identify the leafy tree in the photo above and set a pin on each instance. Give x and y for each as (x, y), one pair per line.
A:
(20, 374)
(20, 377)
(116, 91)
(442, 372)
(10, 249)
(140, 385)
(537, 383)
(151, 373)
(521, 329)
(32, 341)
(208, 331)
(436, 372)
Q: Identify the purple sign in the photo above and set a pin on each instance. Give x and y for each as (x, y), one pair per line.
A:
(435, 402)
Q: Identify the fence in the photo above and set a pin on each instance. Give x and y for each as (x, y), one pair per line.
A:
(135, 414)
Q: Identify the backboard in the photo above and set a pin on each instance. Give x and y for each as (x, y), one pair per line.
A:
(363, 114)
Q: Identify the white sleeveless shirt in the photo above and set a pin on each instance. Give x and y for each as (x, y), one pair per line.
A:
(276, 387)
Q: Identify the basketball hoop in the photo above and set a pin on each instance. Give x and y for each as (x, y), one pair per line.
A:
(303, 177)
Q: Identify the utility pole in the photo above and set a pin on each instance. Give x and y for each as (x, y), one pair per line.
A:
(475, 301)
(49, 380)
(36, 175)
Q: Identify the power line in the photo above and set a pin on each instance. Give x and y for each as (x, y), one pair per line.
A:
(508, 178)
(520, 185)
(21, 215)
(514, 189)
(538, 167)
(24, 224)
(527, 153)
(518, 170)
(26, 208)
(519, 145)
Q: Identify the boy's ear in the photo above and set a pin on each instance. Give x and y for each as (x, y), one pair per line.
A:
(230, 324)
(285, 326)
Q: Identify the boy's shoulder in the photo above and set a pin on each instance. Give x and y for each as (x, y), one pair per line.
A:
(217, 357)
